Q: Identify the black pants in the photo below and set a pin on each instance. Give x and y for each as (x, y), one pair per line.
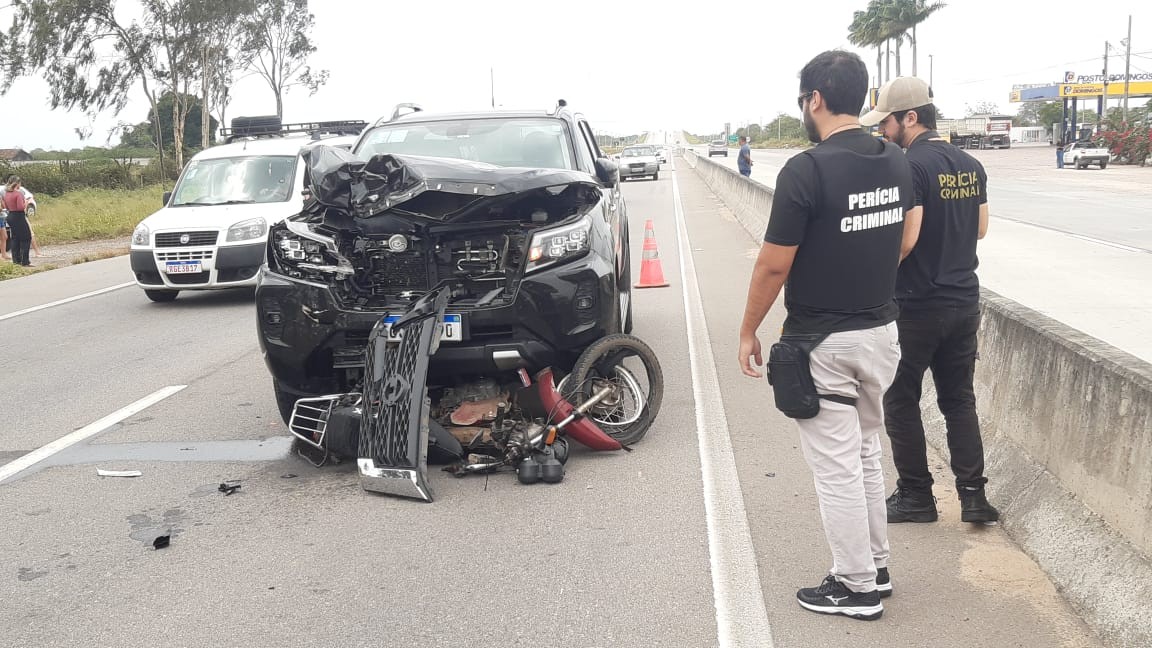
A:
(944, 340)
(21, 237)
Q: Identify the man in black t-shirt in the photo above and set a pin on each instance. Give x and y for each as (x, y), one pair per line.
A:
(939, 297)
(833, 245)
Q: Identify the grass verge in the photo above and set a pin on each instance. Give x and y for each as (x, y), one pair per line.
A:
(9, 270)
(93, 214)
(100, 256)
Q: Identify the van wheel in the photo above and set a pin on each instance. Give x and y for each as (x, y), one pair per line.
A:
(162, 295)
(656, 176)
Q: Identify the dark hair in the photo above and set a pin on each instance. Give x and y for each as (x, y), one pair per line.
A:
(925, 115)
(743, 138)
(842, 79)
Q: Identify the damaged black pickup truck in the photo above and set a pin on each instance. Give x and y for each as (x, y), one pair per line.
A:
(512, 223)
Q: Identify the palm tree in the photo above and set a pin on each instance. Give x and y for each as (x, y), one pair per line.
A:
(862, 33)
(896, 17)
(920, 12)
(866, 30)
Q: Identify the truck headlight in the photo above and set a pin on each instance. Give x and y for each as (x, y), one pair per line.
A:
(252, 228)
(303, 254)
(140, 236)
(558, 245)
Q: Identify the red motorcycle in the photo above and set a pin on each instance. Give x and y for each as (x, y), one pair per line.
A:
(512, 421)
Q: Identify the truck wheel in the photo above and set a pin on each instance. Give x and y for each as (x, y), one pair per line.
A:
(1103, 165)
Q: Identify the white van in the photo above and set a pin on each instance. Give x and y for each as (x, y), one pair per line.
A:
(213, 228)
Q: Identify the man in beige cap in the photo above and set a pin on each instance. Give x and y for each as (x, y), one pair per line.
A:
(939, 297)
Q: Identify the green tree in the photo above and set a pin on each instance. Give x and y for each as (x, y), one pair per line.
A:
(982, 108)
(885, 21)
(277, 44)
(91, 58)
(918, 12)
(785, 127)
(865, 32)
(138, 135)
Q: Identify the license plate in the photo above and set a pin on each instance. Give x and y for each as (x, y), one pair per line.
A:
(183, 267)
(453, 330)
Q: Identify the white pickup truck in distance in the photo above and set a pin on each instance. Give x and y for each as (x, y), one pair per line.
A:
(1081, 154)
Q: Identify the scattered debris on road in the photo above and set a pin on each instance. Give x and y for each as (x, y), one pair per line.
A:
(229, 487)
(162, 541)
(118, 473)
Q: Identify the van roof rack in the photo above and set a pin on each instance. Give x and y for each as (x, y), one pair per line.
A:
(315, 129)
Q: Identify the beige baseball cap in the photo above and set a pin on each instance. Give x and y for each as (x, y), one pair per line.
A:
(901, 93)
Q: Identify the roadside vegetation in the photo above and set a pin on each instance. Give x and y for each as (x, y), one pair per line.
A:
(93, 214)
(9, 270)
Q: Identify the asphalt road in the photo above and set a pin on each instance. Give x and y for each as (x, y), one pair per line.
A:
(698, 538)
(1075, 245)
(1108, 205)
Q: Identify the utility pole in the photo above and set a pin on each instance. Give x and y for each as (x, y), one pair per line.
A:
(1103, 105)
(1127, 65)
(930, 61)
(492, 81)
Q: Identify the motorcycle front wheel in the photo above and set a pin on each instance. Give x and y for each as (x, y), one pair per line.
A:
(627, 366)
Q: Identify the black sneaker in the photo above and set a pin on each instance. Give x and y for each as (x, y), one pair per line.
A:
(974, 507)
(883, 582)
(911, 506)
(832, 597)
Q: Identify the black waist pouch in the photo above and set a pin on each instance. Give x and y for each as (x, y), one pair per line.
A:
(790, 374)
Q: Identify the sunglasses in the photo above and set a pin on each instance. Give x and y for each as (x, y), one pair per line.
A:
(802, 98)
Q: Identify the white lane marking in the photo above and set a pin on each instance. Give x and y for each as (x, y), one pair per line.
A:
(90, 430)
(1108, 243)
(741, 619)
(61, 302)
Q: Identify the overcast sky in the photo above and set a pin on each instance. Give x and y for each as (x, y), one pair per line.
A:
(629, 67)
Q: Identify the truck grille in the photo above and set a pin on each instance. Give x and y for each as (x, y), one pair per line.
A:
(392, 398)
(400, 272)
(173, 239)
(393, 443)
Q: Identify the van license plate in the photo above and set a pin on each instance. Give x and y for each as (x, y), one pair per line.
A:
(183, 267)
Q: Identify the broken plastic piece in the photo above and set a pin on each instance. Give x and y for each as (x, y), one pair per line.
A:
(162, 541)
(229, 487)
(118, 473)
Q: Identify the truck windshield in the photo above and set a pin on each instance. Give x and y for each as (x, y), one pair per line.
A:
(507, 142)
(239, 180)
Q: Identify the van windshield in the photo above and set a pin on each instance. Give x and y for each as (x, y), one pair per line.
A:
(238, 180)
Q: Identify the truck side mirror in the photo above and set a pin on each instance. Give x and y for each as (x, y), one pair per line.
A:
(607, 171)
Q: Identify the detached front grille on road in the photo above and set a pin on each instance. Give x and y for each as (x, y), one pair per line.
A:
(186, 239)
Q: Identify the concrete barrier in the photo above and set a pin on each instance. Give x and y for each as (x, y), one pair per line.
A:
(1067, 424)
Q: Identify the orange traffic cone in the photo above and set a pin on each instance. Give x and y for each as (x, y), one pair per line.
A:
(651, 273)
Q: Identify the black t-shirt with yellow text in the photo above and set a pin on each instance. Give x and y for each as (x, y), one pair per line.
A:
(950, 185)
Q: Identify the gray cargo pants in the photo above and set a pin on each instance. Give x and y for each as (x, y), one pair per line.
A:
(842, 446)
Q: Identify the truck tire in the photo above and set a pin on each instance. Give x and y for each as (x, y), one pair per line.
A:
(1103, 165)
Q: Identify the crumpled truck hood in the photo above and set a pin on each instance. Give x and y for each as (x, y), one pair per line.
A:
(367, 188)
